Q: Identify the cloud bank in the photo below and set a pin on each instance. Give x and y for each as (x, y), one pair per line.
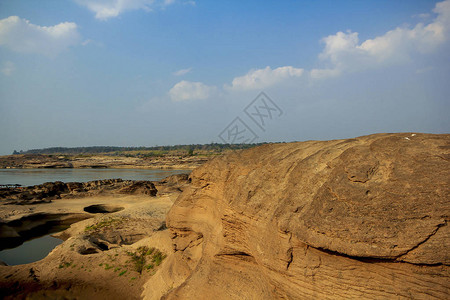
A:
(345, 53)
(264, 78)
(188, 90)
(106, 9)
(20, 35)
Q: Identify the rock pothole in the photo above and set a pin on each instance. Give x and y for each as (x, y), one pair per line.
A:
(102, 209)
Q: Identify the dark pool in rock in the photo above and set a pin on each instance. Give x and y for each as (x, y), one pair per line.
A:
(30, 251)
(29, 239)
(102, 209)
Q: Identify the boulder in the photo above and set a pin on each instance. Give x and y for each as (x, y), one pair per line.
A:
(176, 179)
(139, 187)
(173, 184)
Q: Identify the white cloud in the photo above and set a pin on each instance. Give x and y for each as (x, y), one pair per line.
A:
(105, 9)
(182, 72)
(8, 68)
(188, 90)
(400, 45)
(263, 78)
(339, 45)
(21, 36)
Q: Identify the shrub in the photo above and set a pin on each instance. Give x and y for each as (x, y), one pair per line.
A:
(139, 258)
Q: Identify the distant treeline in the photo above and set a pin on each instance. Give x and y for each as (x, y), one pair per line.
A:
(112, 149)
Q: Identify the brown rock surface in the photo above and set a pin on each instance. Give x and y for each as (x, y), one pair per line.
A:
(360, 218)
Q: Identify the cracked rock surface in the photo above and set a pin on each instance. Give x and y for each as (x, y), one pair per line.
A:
(362, 218)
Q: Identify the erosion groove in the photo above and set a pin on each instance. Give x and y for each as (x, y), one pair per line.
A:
(425, 239)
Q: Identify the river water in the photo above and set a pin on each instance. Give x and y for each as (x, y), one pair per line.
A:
(30, 251)
(26, 177)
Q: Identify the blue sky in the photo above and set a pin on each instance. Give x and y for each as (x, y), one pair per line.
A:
(145, 73)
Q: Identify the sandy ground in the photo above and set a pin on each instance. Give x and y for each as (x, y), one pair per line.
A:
(96, 259)
(77, 205)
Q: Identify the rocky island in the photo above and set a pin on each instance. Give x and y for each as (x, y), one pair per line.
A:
(362, 218)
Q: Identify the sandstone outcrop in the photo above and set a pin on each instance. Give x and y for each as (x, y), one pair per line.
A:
(363, 218)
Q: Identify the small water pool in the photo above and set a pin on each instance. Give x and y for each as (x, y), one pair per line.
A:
(30, 251)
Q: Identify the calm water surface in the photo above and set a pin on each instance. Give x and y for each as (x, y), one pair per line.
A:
(26, 177)
(30, 251)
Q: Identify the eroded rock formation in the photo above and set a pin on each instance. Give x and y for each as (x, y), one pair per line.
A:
(357, 218)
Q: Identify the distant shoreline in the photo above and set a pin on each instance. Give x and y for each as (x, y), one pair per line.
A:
(42, 161)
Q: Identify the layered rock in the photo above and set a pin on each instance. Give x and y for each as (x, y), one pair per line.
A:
(357, 218)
